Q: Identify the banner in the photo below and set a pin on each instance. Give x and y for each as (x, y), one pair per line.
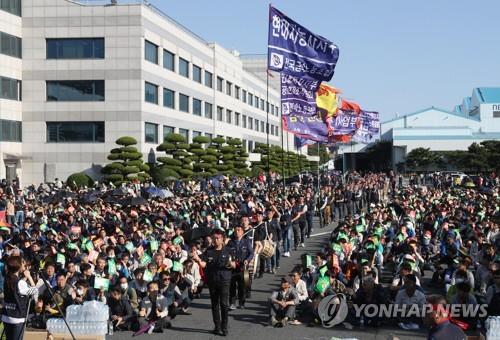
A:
(294, 50)
(345, 123)
(298, 95)
(312, 127)
(300, 142)
(369, 127)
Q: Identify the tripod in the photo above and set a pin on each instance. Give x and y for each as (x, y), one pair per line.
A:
(51, 293)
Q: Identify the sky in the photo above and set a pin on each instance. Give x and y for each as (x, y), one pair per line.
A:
(396, 56)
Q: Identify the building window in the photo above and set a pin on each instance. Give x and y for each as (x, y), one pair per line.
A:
(244, 121)
(185, 133)
(197, 74)
(183, 102)
(250, 123)
(151, 93)
(250, 146)
(11, 131)
(220, 111)
(167, 130)
(272, 130)
(168, 60)
(244, 144)
(151, 52)
(262, 126)
(262, 104)
(184, 67)
(11, 6)
(196, 107)
(196, 134)
(10, 88)
(256, 125)
(208, 110)
(236, 92)
(250, 99)
(229, 88)
(151, 133)
(75, 90)
(220, 84)
(229, 116)
(271, 109)
(256, 102)
(209, 135)
(75, 132)
(244, 96)
(75, 48)
(237, 118)
(10, 45)
(209, 79)
(169, 98)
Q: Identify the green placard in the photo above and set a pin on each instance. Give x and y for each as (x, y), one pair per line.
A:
(148, 276)
(177, 240)
(101, 283)
(176, 266)
(336, 248)
(146, 259)
(130, 247)
(153, 244)
(61, 259)
(323, 270)
(360, 228)
(88, 245)
(111, 267)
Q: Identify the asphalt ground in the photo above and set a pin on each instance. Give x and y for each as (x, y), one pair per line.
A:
(252, 322)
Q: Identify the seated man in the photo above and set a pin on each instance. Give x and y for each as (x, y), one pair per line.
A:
(440, 327)
(120, 311)
(83, 292)
(412, 300)
(283, 304)
(153, 310)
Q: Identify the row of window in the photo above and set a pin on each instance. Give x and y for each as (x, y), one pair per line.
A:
(10, 45)
(75, 132)
(151, 52)
(11, 131)
(75, 48)
(75, 90)
(10, 88)
(11, 6)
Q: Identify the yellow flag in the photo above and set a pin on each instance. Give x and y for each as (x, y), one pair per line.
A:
(327, 100)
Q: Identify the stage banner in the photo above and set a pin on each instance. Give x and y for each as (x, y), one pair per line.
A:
(294, 50)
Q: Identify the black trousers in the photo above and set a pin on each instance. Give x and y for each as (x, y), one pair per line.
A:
(310, 225)
(237, 284)
(219, 297)
(13, 331)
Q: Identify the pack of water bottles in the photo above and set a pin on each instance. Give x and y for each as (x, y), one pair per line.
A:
(90, 319)
(493, 328)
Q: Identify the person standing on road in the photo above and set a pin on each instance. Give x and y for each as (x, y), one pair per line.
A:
(242, 251)
(218, 266)
(299, 211)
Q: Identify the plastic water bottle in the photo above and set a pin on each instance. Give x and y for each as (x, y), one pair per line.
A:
(110, 328)
(362, 322)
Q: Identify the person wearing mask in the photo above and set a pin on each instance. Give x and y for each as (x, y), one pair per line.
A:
(153, 310)
(218, 266)
(128, 293)
(19, 288)
(83, 293)
(242, 251)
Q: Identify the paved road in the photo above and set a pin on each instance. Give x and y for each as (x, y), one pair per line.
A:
(252, 322)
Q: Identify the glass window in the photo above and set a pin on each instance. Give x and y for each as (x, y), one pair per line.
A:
(209, 135)
(262, 104)
(250, 146)
(244, 144)
(10, 45)
(11, 131)
(151, 93)
(75, 90)
(229, 116)
(196, 133)
(220, 84)
(151, 52)
(167, 130)
(250, 123)
(197, 74)
(236, 92)
(11, 6)
(262, 126)
(196, 107)
(229, 88)
(151, 133)
(256, 102)
(168, 60)
(244, 121)
(244, 96)
(168, 98)
(185, 133)
(75, 132)
(257, 125)
(250, 99)
(220, 111)
(209, 79)
(75, 48)
(10, 88)
(184, 67)
(208, 110)
(183, 102)
(271, 109)
(237, 118)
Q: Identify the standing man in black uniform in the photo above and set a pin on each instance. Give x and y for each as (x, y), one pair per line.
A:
(242, 251)
(218, 266)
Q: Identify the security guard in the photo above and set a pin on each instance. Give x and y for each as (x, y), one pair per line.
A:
(242, 252)
(218, 265)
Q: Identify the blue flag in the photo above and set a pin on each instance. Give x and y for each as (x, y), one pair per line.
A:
(294, 50)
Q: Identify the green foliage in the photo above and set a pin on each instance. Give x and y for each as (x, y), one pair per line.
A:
(127, 163)
(126, 141)
(79, 180)
(201, 139)
(175, 138)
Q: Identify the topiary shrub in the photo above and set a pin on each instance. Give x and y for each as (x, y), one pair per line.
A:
(79, 180)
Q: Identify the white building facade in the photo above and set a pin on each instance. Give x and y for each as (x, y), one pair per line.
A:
(93, 73)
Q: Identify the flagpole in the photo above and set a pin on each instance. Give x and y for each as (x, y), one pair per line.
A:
(267, 133)
(319, 161)
(282, 150)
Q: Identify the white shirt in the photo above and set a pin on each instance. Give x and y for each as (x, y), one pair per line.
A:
(301, 289)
